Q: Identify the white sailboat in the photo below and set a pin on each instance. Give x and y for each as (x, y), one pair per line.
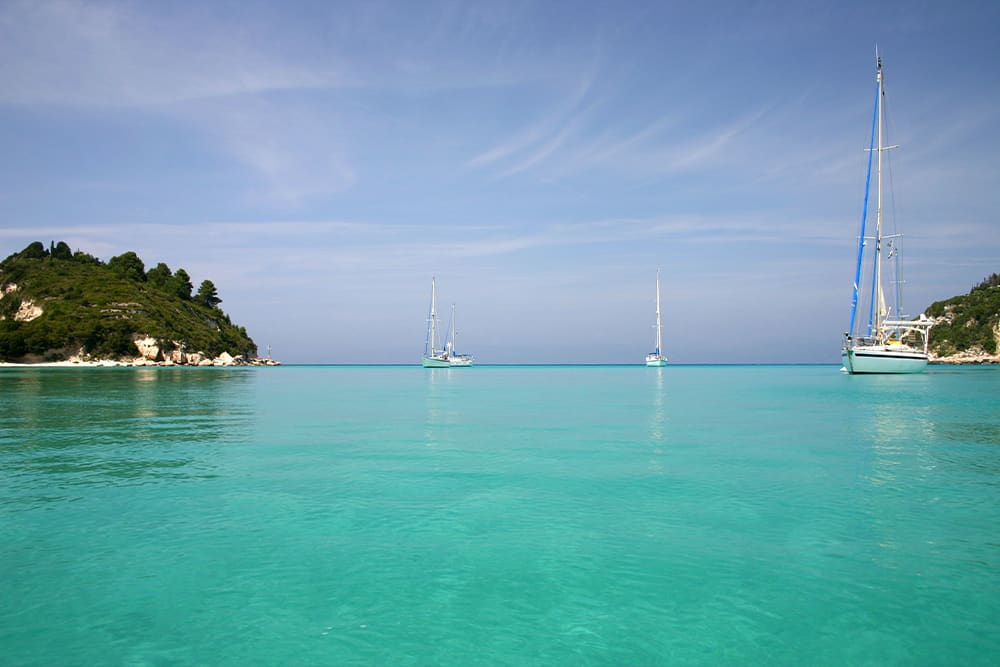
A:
(454, 358)
(433, 356)
(443, 357)
(655, 358)
(887, 343)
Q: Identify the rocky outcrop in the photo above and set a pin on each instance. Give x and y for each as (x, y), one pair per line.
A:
(27, 311)
(148, 348)
(224, 359)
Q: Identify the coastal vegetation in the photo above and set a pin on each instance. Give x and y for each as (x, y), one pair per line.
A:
(56, 304)
(968, 323)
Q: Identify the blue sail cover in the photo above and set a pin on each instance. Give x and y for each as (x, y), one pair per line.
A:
(864, 218)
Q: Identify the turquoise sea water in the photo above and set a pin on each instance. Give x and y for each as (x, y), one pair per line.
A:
(689, 515)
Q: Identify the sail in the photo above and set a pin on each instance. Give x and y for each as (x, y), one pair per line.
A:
(449, 341)
(883, 309)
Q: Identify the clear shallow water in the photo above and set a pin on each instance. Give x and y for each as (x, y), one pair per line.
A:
(499, 515)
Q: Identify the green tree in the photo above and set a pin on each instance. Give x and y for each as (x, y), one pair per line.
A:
(180, 284)
(61, 251)
(159, 276)
(129, 265)
(993, 280)
(82, 257)
(207, 294)
(35, 251)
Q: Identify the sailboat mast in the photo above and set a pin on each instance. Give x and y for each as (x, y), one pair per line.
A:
(454, 345)
(658, 311)
(433, 316)
(878, 211)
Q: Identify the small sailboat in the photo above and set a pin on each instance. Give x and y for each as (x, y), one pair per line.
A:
(454, 358)
(655, 358)
(443, 357)
(887, 343)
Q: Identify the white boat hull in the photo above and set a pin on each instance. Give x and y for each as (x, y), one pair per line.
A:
(880, 359)
(655, 361)
(435, 362)
(446, 362)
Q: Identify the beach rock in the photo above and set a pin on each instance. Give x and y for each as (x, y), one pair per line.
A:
(147, 346)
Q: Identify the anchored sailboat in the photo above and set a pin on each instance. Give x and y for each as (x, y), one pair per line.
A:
(454, 358)
(654, 358)
(443, 357)
(887, 343)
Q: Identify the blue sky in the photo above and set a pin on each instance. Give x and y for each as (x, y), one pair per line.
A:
(320, 161)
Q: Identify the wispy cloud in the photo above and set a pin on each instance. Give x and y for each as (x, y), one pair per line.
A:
(540, 138)
(405, 243)
(101, 54)
(711, 146)
(569, 141)
(296, 151)
(224, 85)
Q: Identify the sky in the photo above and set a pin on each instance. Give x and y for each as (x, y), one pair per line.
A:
(321, 161)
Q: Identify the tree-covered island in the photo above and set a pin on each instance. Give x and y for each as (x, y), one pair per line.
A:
(59, 305)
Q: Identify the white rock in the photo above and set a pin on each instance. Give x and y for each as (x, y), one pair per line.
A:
(27, 311)
(147, 347)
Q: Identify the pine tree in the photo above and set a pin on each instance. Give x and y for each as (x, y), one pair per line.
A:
(207, 294)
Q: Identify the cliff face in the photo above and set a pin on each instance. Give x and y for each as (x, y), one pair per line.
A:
(967, 327)
(55, 305)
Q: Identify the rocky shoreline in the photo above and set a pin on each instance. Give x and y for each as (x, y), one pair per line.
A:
(140, 362)
(151, 353)
(966, 358)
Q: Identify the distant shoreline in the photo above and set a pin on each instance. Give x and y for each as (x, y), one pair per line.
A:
(109, 363)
